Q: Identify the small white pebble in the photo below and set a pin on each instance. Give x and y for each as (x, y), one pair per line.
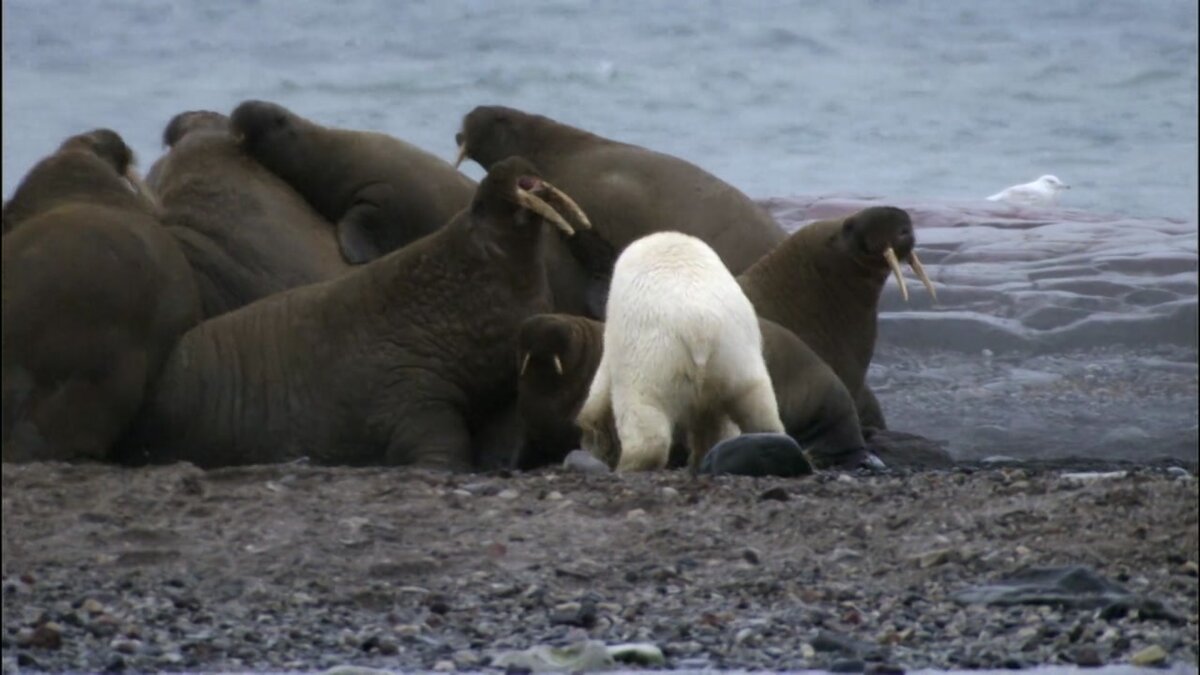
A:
(554, 496)
(508, 494)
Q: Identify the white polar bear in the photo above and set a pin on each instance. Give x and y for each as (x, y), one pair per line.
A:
(682, 346)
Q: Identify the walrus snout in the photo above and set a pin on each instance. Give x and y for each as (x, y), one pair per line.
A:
(252, 120)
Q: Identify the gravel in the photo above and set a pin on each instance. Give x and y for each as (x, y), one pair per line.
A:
(297, 567)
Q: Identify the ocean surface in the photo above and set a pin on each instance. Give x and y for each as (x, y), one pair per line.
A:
(898, 98)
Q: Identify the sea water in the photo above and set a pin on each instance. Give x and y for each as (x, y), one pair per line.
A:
(897, 98)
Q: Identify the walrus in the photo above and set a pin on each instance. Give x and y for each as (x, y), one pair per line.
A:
(381, 192)
(181, 125)
(396, 362)
(94, 294)
(824, 283)
(245, 232)
(627, 191)
(559, 355)
(72, 174)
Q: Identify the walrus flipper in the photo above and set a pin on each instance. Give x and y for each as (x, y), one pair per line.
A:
(431, 435)
(870, 413)
(355, 238)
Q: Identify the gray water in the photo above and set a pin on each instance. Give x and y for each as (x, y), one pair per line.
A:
(934, 99)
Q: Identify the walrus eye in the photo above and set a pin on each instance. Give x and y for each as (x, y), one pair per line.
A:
(527, 183)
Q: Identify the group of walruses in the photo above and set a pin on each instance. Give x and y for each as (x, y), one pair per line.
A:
(276, 289)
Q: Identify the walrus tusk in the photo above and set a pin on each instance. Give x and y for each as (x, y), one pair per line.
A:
(919, 269)
(524, 364)
(139, 186)
(561, 197)
(535, 204)
(558, 365)
(462, 154)
(890, 255)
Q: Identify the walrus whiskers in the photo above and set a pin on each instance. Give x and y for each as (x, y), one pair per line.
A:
(524, 364)
(558, 365)
(919, 270)
(893, 263)
(534, 203)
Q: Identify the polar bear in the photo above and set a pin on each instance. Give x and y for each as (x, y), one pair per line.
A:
(682, 347)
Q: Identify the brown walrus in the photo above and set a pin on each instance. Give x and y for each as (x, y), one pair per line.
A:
(72, 174)
(560, 353)
(95, 292)
(397, 362)
(381, 192)
(626, 190)
(824, 282)
(181, 125)
(245, 232)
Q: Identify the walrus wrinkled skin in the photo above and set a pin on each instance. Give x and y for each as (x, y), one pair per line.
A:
(94, 292)
(396, 362)
(560, 353)
(627, 191)
(245, 232)
(381, 192)
(824, 283)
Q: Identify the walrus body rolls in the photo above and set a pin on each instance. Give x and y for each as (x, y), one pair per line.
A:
(824, 282)
(381, 192)
(396, 362)
(681, 346)
(94, 292)
(560, 354)
(627, 191)
(246, 233)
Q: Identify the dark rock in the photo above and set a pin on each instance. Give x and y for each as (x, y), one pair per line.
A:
(830, 641)
(1074, 587)
(776, 493)
(898, 449)
(582, 461)
(1087, 657)
(760, 454)
(581, 614)
(46, 636)
(848, 666)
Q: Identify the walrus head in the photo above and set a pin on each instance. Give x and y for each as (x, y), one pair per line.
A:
(544, 341)
(883, 236)
(193, 120)
(110, 148)
(255, 123)
(492, 132)
(514, 185)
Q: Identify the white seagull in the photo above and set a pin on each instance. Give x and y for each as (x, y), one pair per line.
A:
(1041, 192)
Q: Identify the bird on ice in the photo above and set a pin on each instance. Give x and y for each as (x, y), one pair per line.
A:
(1041, 192)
